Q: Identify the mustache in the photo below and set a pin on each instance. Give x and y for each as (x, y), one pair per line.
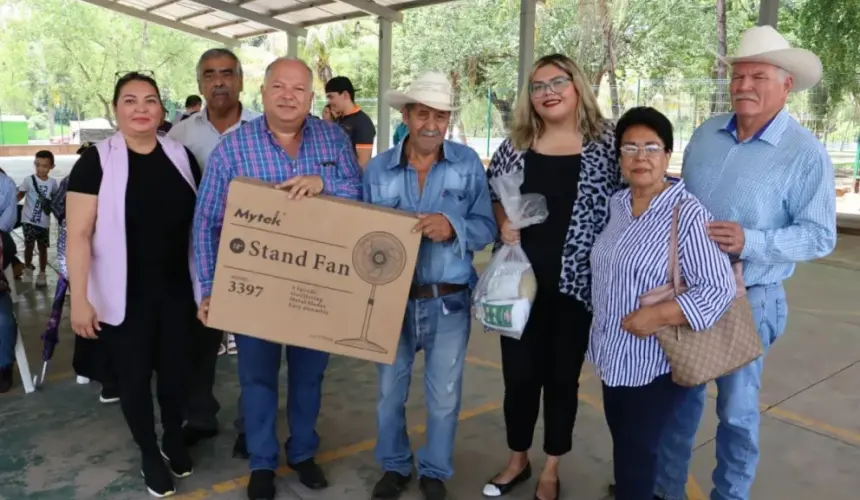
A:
(745, 96)
(220, 91)
(429, 133)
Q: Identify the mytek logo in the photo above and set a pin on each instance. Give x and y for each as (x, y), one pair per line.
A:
(269, 220)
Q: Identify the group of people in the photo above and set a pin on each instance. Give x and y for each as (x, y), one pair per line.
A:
(145, 211)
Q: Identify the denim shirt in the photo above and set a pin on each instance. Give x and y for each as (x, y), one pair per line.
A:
(456, 187)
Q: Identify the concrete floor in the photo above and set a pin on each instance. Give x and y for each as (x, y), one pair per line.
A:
(60, 443)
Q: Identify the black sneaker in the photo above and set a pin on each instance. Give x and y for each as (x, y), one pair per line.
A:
(261, 485)
(391, 486)
(6, 379)
(194, 435)
(433, 489)
(109, 394)
(310, 474)
(174, 451)
(240, 448)
(156, 477)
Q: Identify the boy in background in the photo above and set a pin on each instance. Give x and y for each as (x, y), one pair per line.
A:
(36, 218)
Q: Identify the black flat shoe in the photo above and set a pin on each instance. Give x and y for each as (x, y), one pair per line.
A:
(261, 485)
(557, 491)
(493, 489)
(310, 474)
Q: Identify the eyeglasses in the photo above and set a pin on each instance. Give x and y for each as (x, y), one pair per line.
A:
(557, 85)
(650, 150)
(142, 72)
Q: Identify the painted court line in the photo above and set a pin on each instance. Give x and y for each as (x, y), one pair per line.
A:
(325, 457)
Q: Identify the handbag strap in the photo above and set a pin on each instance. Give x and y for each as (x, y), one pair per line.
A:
(674, 266)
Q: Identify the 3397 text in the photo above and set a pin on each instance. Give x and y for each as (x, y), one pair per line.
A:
(245, 289)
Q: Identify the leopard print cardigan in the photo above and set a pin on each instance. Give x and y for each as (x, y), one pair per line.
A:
(599, 179)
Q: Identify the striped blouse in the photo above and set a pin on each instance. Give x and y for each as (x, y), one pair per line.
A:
(631, 257)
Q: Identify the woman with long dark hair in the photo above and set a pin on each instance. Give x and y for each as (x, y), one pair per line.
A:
(130, 205)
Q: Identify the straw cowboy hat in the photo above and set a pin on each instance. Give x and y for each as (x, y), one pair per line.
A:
(430, 89)
(763, 44)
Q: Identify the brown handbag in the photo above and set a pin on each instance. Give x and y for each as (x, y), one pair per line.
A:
(698, 357)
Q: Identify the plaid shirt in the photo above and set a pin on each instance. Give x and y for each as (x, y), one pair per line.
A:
(252, 151)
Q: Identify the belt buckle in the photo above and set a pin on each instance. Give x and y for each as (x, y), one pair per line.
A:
(435, 289)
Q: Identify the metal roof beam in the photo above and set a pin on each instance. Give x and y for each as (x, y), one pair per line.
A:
(162, 5)
(154, 19)
(375, 9)
(256, 17)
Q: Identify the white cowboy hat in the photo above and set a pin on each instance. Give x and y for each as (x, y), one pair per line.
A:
(430, 89)
(764, 44)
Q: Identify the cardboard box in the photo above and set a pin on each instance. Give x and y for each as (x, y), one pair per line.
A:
(323, 273)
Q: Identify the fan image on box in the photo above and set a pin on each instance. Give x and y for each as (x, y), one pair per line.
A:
(378, 258)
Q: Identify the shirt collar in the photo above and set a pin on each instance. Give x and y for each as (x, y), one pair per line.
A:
(668, 197)
(202, 116)
(398, 159)
(771, 133)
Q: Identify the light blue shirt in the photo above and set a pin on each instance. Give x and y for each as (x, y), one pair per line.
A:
(779, 185)
(8, 203)
(456, 187)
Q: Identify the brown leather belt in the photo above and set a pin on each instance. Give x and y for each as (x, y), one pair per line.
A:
(433, 291)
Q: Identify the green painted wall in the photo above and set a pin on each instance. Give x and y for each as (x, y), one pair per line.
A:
(13, 133)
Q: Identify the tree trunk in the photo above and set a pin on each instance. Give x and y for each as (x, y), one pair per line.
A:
(720, 98)
(505, 108)
(611, 61)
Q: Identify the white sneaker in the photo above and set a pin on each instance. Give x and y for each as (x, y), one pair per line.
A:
(231, 345)
(41, 280)
(82, 380)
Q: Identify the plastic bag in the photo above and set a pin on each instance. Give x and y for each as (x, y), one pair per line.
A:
(506, 289)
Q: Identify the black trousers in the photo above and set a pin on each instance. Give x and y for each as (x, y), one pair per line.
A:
(202, 409)
(547, 358)
(636, 418)
(153, 337)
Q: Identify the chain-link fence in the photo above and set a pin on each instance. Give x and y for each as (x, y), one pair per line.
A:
(481, 121)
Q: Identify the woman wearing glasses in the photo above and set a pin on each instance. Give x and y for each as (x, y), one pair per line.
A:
(629, 259)
(566, 152)
(129, 209)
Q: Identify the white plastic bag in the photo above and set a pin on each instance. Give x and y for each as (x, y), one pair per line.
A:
(506, 289)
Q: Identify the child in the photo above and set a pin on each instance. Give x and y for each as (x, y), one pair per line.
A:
(36, 219)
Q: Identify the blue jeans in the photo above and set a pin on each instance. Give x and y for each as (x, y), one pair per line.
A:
(737, 409)
(8, 331)
(259, 364)
(440, 326)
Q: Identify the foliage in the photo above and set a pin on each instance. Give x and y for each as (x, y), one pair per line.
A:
(66, 53)
(831, 29)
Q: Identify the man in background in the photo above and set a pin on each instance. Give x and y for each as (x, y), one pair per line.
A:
(193, 104)
(219, 78)
(340, 95)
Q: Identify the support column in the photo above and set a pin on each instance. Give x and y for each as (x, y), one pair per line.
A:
(768, 13)
(292, 45)
(383, 110)
(527, 41)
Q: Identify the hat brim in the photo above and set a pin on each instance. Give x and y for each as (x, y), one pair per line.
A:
(397, 99)
(804, 66)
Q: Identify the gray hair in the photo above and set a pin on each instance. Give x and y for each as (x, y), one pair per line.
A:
(290, 59)
(215, 53)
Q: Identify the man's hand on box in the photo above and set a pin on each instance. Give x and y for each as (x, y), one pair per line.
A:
(435, 227)
(302, 186)
(203, 311)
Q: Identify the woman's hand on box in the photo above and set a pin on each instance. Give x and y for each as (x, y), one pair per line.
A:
(203, 311)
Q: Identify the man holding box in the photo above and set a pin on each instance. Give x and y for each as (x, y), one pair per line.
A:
(305, 157)
(445, 185)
